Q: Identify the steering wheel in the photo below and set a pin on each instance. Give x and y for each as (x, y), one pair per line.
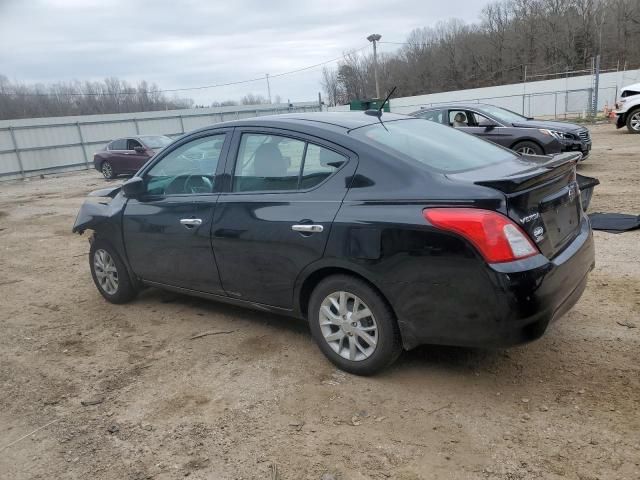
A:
(197, 184)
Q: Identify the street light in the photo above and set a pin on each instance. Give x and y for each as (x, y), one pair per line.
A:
(373, 38)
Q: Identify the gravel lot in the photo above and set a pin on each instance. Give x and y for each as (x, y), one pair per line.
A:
(262, 402)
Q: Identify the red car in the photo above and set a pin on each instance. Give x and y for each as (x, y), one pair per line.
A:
(127, 155)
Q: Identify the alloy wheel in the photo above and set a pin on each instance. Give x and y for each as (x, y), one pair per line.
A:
(348, 326)
(106, 271)
(526, 151)
(635, 121)
(107, 170)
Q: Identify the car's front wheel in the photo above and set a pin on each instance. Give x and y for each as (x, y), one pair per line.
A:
(107, 170)
(109, 273)
(633, 121)
(528, 148)
(353, 325)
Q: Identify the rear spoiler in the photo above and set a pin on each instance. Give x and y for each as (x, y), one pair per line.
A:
(542, 168)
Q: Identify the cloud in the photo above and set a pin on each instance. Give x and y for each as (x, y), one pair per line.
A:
(202, 42)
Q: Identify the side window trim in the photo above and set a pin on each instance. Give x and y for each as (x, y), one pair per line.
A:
(234, 151)
(304, 158)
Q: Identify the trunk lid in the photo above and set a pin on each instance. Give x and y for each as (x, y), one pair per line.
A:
(542, 196)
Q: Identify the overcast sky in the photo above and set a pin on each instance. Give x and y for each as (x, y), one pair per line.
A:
(189, 43)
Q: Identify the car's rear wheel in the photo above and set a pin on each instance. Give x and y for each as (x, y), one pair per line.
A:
(633, 121)
(353, 325)
(110, 274)
(528, 148)
(107, 170)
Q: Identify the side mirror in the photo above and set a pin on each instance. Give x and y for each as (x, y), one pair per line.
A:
(490, 126)
(139, 149)
(134, 187)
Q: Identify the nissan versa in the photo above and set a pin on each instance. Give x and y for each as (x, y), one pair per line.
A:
(383, 232)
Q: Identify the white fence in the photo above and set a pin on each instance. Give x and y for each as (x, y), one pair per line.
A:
(556, 98)
(49, 145)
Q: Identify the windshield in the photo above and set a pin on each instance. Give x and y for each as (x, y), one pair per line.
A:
(437, 146)
(156, 141)
(502, 114)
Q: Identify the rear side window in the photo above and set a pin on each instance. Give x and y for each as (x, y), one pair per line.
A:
(279, 163)
(436, 146)
(319, 164)
(120, 144)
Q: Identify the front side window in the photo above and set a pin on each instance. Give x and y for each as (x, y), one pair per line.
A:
(436, 146)
(132, 144)
(459, 118)
(189, 169)
(278, 163)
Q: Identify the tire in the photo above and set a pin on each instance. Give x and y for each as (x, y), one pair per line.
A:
(528, 148)
(116, 287)
(107, 170)
(349, 336)
(633, 121)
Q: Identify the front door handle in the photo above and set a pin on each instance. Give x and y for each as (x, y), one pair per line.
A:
(191, 222)
(307, 228)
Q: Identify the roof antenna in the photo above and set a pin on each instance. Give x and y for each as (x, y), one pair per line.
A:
(378, 112)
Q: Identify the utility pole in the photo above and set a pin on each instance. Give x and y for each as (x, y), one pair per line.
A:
(596, 86)
(524, 88)
(373, 38)
(268, 86)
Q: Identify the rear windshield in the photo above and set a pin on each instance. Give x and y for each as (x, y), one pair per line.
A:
(437, 146)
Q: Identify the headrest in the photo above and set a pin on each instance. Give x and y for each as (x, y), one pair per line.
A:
(269, 162)
(460, 117)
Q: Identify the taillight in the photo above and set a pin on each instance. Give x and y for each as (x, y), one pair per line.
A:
(497, 238)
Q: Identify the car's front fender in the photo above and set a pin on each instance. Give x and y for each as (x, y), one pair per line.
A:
(102, 206)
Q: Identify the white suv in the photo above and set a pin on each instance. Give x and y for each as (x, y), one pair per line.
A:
(628, 108)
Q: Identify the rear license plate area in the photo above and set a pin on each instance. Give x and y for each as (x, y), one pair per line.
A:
(561, 215)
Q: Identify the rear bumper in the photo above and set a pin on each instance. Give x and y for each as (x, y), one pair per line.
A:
(519, 302)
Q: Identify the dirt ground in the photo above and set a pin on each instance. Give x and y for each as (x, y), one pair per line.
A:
(262, 402)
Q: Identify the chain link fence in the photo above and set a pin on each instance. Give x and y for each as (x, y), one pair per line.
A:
(560, 105)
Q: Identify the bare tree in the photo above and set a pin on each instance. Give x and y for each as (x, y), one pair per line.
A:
(252, 99)
(78, 98)
(543, 36)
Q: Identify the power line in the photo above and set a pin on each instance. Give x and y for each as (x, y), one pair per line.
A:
(186, 89)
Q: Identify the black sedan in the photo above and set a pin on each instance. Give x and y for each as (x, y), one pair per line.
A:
(383, 233)
(511, 130)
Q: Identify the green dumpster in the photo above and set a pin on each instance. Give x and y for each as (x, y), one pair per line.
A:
(372, 104)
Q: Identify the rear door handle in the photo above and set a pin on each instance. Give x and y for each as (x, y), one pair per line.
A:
(307, 228)
(191, 222)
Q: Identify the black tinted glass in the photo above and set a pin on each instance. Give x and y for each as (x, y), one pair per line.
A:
(436, 146)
